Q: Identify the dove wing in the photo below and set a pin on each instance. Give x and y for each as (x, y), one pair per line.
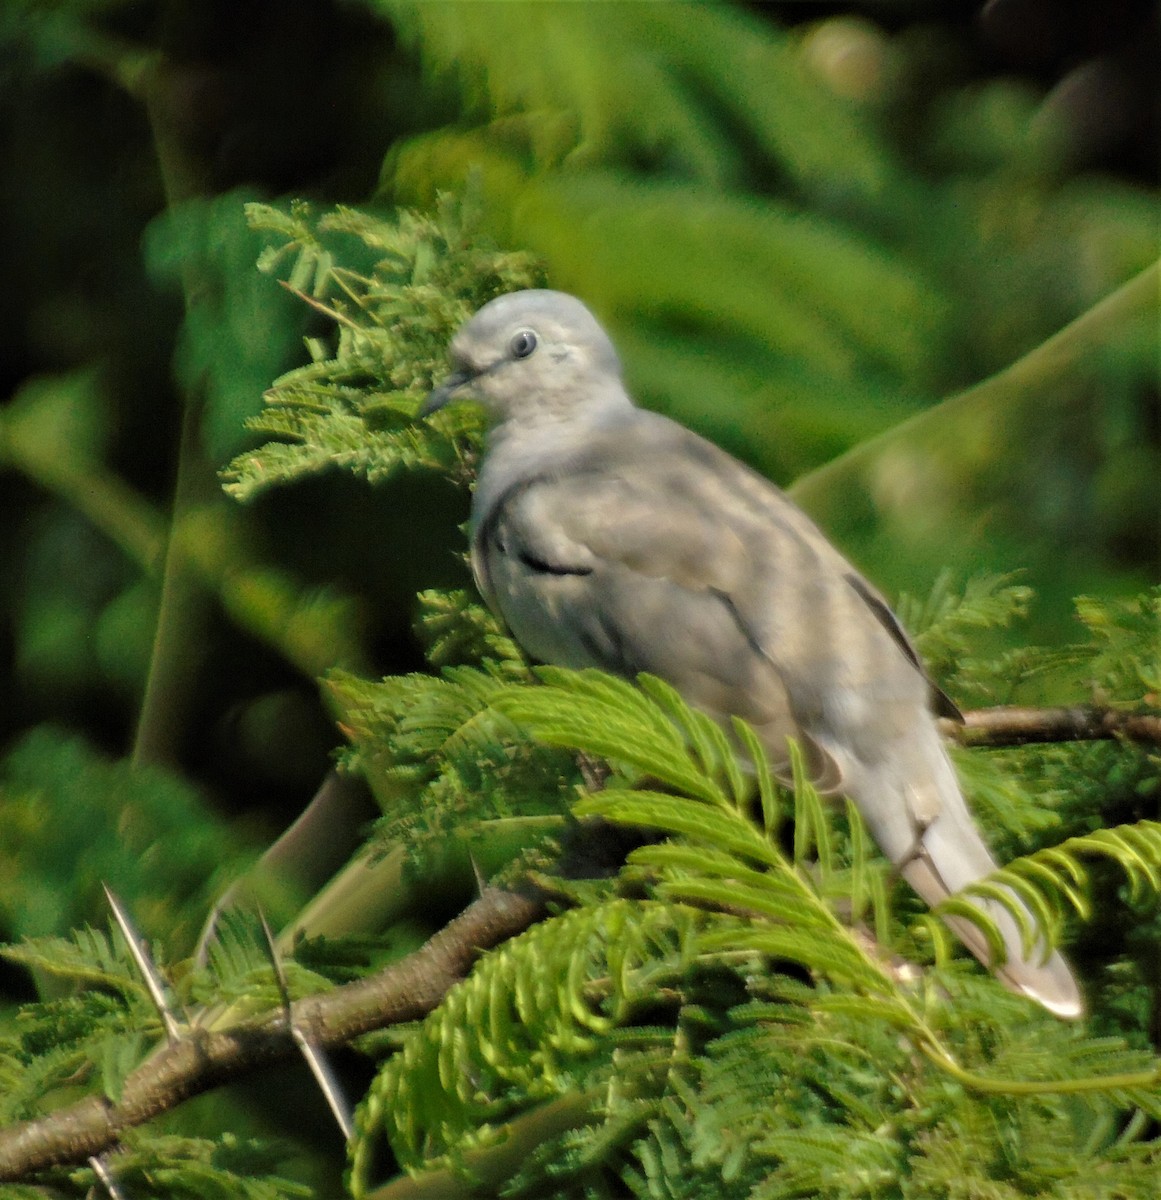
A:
(663, 554)
(611, 537)
(655, 551)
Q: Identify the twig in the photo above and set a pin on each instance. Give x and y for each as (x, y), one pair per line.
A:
(1014, 726)
(204, 1059)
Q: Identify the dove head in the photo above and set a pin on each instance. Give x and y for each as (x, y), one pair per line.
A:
(531, 357)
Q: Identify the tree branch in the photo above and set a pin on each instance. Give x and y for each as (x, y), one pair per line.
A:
(203, 1059)
(411, 988)
(1009, 725)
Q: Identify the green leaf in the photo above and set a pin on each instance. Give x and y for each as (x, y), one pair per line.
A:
(677, 815)
(414, 280)
(610, 718)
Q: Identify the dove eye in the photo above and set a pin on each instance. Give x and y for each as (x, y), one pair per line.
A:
(522, 343)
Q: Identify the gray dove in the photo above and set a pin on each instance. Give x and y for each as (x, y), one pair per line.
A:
(608, 536)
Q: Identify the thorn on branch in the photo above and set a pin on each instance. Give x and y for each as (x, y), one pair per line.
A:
(139, 949)
(105, 1177)
(315, 1058)
(201, 1059)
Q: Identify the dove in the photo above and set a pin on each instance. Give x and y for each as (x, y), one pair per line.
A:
(606, 535)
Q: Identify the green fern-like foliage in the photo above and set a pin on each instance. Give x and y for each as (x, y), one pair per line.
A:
(396, 290)
(946, 623)
(448, 770)
(720, 1030)
(1053, 880)
(194, 1168)
(1117, 666)
(546, 1030)
(447, 766)
(90, 1037)
(730, 1016)
(1118, 663)
(74, 819)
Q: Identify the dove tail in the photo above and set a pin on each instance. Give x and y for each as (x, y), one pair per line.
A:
(912, 803)
(1049, 981)
(951, 856)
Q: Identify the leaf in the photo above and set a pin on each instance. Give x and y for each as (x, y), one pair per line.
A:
(609, 718)
(416, 279)
(242, 331)
(1053, 880)
(677, 815)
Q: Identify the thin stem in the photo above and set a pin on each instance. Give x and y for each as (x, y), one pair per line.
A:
(176, 653)
(1126, 1081)
(825, 491)
(175, 657)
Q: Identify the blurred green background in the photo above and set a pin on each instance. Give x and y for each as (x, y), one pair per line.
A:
(820, 234)
(804, 225)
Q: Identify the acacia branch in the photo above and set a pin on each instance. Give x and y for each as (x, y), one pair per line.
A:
(1010, 725)
(203, 1059)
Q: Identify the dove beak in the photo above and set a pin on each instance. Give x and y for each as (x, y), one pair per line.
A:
(445, 392)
